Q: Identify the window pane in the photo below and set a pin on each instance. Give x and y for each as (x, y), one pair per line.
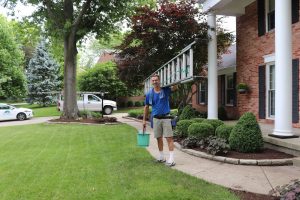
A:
(272, 103)
(229, 96)
(202, 92)
(229, 82)
(272, 77)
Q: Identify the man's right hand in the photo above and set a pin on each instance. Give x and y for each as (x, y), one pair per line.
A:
(144, 126)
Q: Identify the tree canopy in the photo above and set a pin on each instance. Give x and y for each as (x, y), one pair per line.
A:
(102, 78)
(12, 79)
(159, 34)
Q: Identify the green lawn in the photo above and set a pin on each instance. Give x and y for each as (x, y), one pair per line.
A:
(89, 162)
(40, 111)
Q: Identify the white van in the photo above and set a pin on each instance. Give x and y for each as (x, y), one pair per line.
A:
(90, 102)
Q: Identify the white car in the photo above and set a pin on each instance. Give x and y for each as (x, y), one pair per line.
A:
(9, 112)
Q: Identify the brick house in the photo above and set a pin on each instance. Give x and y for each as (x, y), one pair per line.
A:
(256, 63)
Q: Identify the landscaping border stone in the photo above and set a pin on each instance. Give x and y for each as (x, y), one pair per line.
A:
(265, 162)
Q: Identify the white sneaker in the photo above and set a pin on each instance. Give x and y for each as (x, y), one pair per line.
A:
(170, 164)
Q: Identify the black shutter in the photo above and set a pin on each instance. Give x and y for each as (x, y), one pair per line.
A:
(222, 77)
(234, 89)
(262, 91)
(295, 88)
(295, 11)
(261, 17)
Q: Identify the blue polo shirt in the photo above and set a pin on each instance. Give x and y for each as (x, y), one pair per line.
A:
(159, 101)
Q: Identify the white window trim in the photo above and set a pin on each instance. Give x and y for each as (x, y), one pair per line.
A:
(226, 75)
(270, 58)
(267, 90)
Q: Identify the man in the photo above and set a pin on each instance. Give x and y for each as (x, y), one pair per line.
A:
(158, 98)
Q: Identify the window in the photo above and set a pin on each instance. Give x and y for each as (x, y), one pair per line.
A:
(271, 90)
(202, 92)
(229, 95)
(270, 14)
(92, 98)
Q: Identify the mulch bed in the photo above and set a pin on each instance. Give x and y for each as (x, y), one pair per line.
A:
(253, 196)
(264, 154)
(88, 120)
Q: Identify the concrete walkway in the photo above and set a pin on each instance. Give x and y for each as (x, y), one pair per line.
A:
(257, 179)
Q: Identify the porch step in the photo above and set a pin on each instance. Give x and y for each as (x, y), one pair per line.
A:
(290, 146)
(296, 162)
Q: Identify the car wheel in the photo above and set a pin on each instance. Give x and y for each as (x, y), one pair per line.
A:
(108, 110)
(21, 116)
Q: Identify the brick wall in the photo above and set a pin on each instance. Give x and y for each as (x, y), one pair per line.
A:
(250, 52)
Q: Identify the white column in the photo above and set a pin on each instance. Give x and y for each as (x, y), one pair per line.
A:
(191, 63)
(283, 69)
(183, 66)
(212, 104)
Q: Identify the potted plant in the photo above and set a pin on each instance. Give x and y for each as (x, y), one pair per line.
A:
(242, 88)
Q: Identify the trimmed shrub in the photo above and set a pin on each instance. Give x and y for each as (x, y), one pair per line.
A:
(198, 120)
(222, 114)
(96, 115)
(135, 113)
(224, 131)
(187, 113)
(182, 128)
(137, 104)
(217, 146)
(214, 122)
(246, 136)
(129, 104)
(200, 114)
(200, 130)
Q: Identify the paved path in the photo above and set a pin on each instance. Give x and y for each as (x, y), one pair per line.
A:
(258, 179)
(35, 120)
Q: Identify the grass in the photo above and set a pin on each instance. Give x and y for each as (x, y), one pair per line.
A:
(40, 111)
(89, 162)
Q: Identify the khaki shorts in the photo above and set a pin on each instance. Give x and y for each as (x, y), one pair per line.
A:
(162, 127)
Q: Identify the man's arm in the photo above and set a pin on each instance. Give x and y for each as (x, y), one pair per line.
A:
(146, 111)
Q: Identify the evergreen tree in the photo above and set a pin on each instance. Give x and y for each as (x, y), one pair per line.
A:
(42, 76)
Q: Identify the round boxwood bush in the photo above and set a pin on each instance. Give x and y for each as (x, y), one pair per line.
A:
(246, 136)
(187, 113)
(224, 131)
(182, 128)
(214, 122)
(198, 120)
(129, 104)
(137, 104)
(200, 130)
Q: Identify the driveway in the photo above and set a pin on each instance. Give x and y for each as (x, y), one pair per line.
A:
(35, 120)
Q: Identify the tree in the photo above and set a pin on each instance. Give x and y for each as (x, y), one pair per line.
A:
(102, 78)
(42, 76)
(28, 35)
(71, 21)
(12, 79)
(160, 34)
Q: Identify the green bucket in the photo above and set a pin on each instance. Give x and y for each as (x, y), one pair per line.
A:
(143, 139)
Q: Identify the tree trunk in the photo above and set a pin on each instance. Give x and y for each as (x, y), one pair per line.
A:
(70, 108)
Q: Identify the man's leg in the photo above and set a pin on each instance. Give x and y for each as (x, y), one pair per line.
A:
(157, 128)
(168, 133)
